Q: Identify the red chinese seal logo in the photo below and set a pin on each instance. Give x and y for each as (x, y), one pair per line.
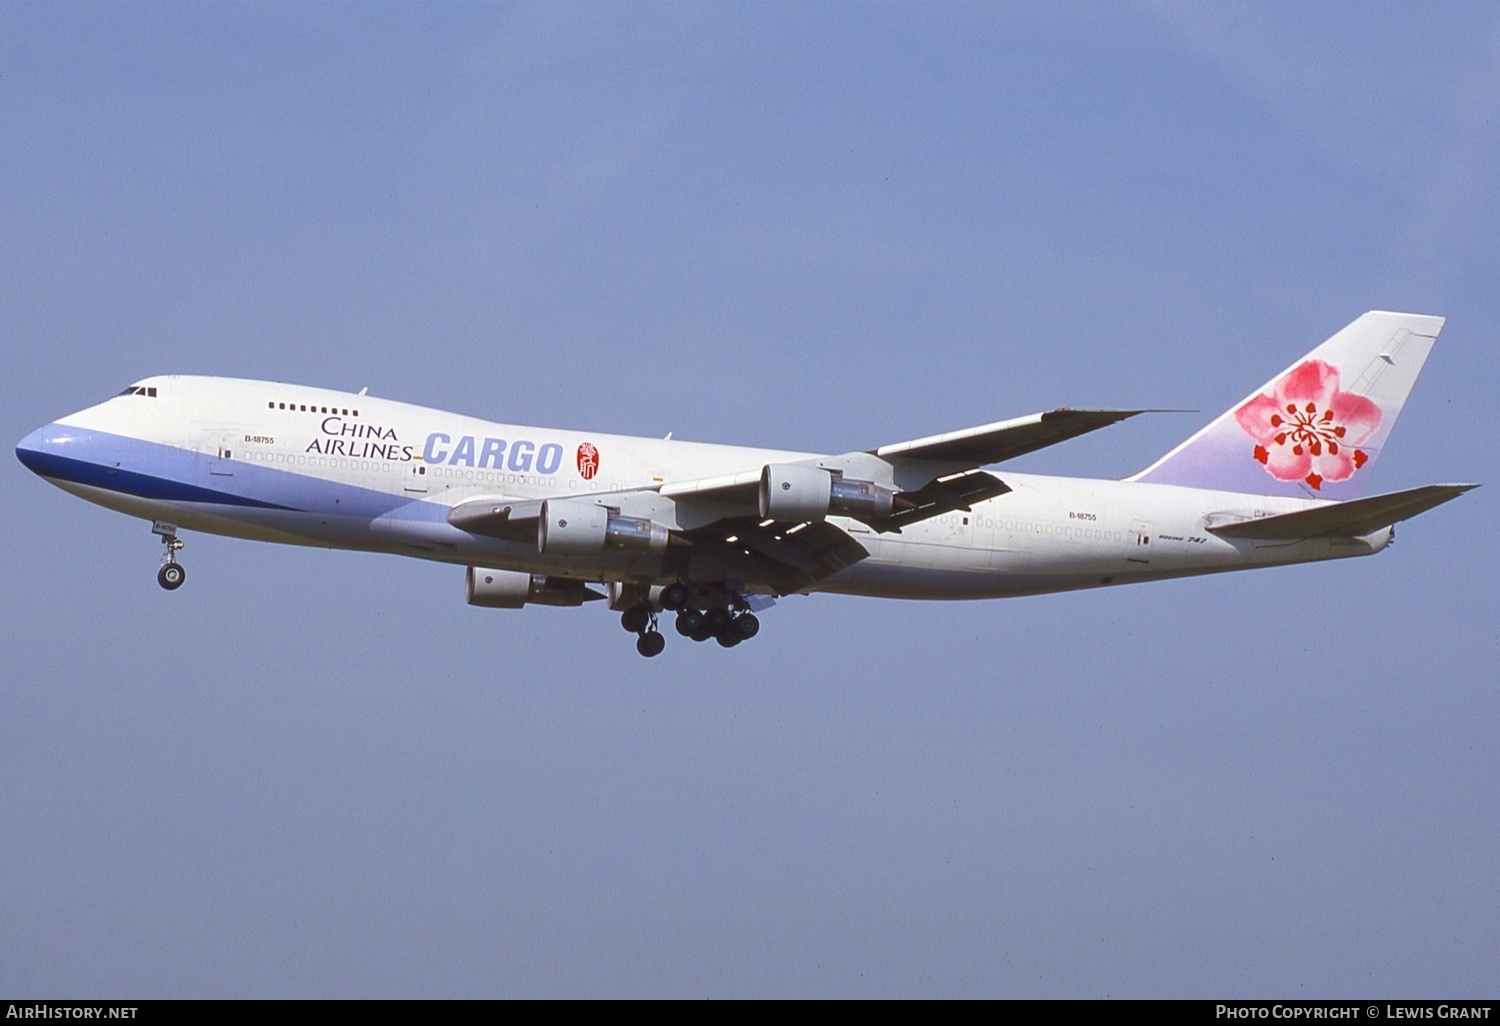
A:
(588, 461)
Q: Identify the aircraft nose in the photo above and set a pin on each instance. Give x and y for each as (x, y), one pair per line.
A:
(38, 449)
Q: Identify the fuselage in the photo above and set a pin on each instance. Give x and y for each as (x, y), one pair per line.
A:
(311, 466)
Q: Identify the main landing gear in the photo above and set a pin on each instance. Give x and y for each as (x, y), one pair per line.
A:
(725, 627)
(171, 575)
(728, 624)
(641, 620)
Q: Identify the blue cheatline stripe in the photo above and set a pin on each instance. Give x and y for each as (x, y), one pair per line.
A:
(155, 470)
(145, 486)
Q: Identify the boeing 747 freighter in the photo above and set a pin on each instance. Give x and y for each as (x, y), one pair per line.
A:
(715, 533)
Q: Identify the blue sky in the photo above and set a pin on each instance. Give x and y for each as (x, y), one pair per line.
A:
(821, 227)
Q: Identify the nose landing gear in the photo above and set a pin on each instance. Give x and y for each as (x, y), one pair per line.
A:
(171, 575)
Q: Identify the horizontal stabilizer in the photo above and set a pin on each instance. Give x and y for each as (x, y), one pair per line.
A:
(1344, 519)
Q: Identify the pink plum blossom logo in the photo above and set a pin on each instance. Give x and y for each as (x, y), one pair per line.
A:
(1309, 430)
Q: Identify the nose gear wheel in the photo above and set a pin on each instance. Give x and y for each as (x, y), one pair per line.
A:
(171, 575)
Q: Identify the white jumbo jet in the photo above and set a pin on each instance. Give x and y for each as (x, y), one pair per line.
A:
(715, 533)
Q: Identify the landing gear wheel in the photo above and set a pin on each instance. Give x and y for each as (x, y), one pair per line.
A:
(675, 596)
(728, 637)
(716, 619)
(650, 644)
(171, 575)
(636, 619)
(688, 621)
(747, 626)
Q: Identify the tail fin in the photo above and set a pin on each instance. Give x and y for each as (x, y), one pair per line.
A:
(1315, 429)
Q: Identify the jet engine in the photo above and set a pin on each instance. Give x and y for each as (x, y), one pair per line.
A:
(795, 491)
(512, 589)
(580, 527)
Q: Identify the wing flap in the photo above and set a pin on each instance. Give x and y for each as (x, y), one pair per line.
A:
(1344, 519)
(942, 495)
(785, 559)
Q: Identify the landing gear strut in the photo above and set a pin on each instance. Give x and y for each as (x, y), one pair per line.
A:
(171, 575)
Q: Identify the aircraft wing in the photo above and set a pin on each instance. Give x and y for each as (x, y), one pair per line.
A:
(936, 474)
(963, 449)
(1005, 439)
(1343, 519)
(930, 476)
(784, 557)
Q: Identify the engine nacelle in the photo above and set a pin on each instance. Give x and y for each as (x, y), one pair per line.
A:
(863, 500)
(580, 527)
(512, 589)
(795, 491)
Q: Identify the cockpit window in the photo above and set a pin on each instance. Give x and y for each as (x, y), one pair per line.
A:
(139, 390)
